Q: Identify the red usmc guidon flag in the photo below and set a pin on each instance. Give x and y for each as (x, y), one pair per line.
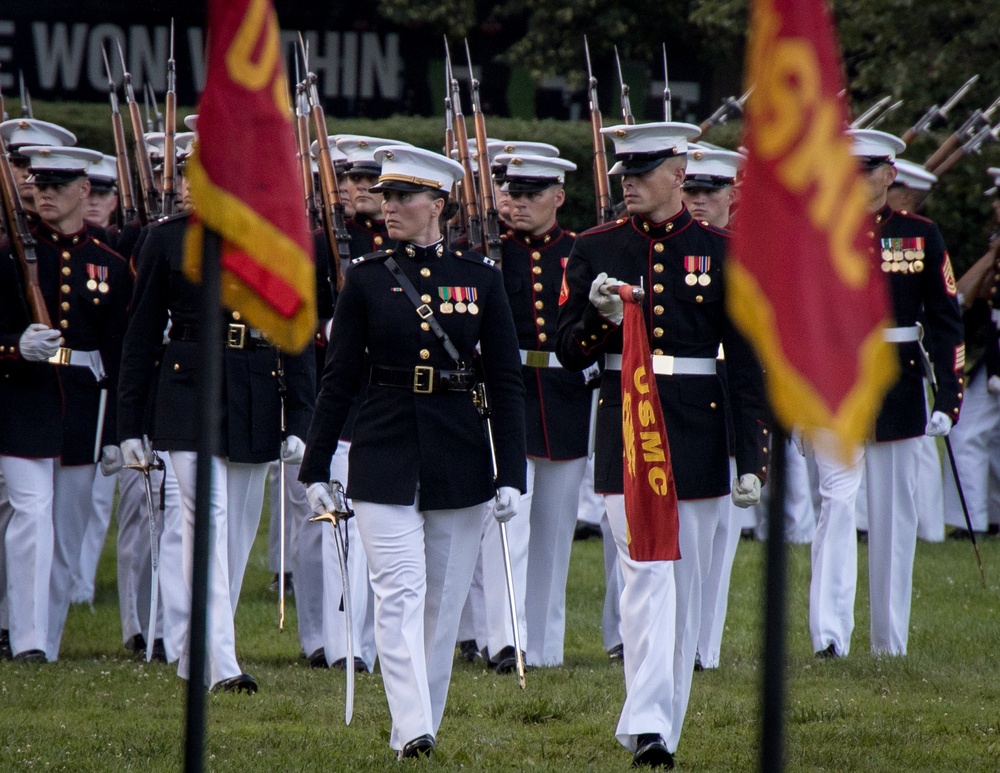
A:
(803, 283)
(650, 494)
(245, 180)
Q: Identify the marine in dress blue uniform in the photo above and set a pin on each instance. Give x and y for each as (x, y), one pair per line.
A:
(250, 424)
(922, 289)
(420, 467)
(680, 263)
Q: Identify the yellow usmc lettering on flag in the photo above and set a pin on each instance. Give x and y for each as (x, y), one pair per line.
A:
(798, 126)
(649, 436)
(258, 32)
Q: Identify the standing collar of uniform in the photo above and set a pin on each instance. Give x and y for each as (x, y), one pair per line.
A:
(883, 215)
(661, 230)
(50, 234)
(529, 240)
(421, 254)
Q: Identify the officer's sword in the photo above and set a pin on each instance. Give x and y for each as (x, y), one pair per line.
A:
(929, 372)
(341, 512)
(484, 408)
(154, 550)
(282, 389)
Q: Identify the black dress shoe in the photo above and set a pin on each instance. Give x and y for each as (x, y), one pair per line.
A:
(422, 746)
(318, 659)
(586, 531)
(242, 683)
(617, 653)
(5, 653)
(276, 583)
(863, 536)
(652, 752)
(137, 645)
(31, 656)
(697, 663)
(468, 651)
(505, 661)
(359, 665)
(159, 651)
(830, 653)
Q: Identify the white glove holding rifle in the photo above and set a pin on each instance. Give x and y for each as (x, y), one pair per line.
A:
(39, 342)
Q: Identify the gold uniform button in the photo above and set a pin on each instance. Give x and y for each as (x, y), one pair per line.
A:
(542, 337)
(64, 323)
(536, 255)
(593, 337)
(425, 298)
(66, 255)
(657, 332)
(65, 288)
(657, 288)
(540, 321)
(712, 405)
(65, 307)
(378, 240)
(699, 298)
(658, 247)
(237, 316)
(539, 305)
(425, 354)
(177, 366)
(657, 268)
(425, 272)
(658, 310)
(536, 269)
(424, 326)
(764, 468)
(97, 301)
(657, 351)
(538, 287)
(66, 270)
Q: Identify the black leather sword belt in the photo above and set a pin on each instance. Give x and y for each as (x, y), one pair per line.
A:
(234, 336)
(423, 379)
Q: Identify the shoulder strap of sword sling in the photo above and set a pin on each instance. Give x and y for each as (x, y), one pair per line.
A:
(424, 311)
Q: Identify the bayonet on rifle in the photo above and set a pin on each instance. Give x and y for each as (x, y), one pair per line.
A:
(602, 186)
(470, 203)
(667, 108)
(169, 131)
(861, 121)
(121, 150)
(938, 115)
(26, 109)
(148, 203)
(885, 114)
(626, 102)
(491, 242)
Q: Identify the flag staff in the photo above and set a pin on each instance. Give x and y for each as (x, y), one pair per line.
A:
(209, 398)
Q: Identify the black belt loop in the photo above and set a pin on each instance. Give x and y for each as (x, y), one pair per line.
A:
(424, 311)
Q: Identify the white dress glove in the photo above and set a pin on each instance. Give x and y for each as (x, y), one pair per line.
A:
(746, 490)
(993, 385)
(292, 449)
(507, 502)
(136, 453)
(320, 498)
(39, 342)
(939, 425)
(111, 460)
(610, 306)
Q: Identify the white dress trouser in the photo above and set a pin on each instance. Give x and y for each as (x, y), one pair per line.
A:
(421, 565)
(975, 440)
(473, 624)
(554, 488)
(334, 631)
(834, 580)
(135, 565)
(93, 540)
(499, 631)
(892, 537)
(929, 491)
(593, 510)
(72, 510)
(26, 534)
(274, 526)
(175, 595)
(237, 497)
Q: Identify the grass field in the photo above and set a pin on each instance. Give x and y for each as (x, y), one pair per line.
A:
(936, 710)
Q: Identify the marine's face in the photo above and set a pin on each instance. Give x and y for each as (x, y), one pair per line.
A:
(363, 201)
(99, 207)
(711, 204)
(56, 202)
(409, 215)
(535, 212)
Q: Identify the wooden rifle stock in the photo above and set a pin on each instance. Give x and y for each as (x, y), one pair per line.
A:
(305, 160)
(468, 193)
(21, 239)
(491, 241)
(125, 197)
(333, 209)
(948, 147)
(602, 187)
(169, 202)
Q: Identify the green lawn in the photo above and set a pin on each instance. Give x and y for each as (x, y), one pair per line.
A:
(936, 710)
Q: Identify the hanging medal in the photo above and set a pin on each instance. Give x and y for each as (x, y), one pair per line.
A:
(460, 307)
(444, 293)
(102, 277)
(92, 273)
(704, 262)
(690, 266)
(473, 294)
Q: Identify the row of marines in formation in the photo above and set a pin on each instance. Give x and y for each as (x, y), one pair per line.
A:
(384, 395)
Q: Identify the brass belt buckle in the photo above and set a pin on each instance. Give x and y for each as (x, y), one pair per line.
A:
(423, 379)
(62, 357)
(537, 359)
(424, 311)
(237, 336)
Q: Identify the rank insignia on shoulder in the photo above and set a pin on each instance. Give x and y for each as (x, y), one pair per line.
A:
(489, 262)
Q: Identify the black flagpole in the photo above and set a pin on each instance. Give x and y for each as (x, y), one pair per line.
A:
(209, 394)
(773, 688)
